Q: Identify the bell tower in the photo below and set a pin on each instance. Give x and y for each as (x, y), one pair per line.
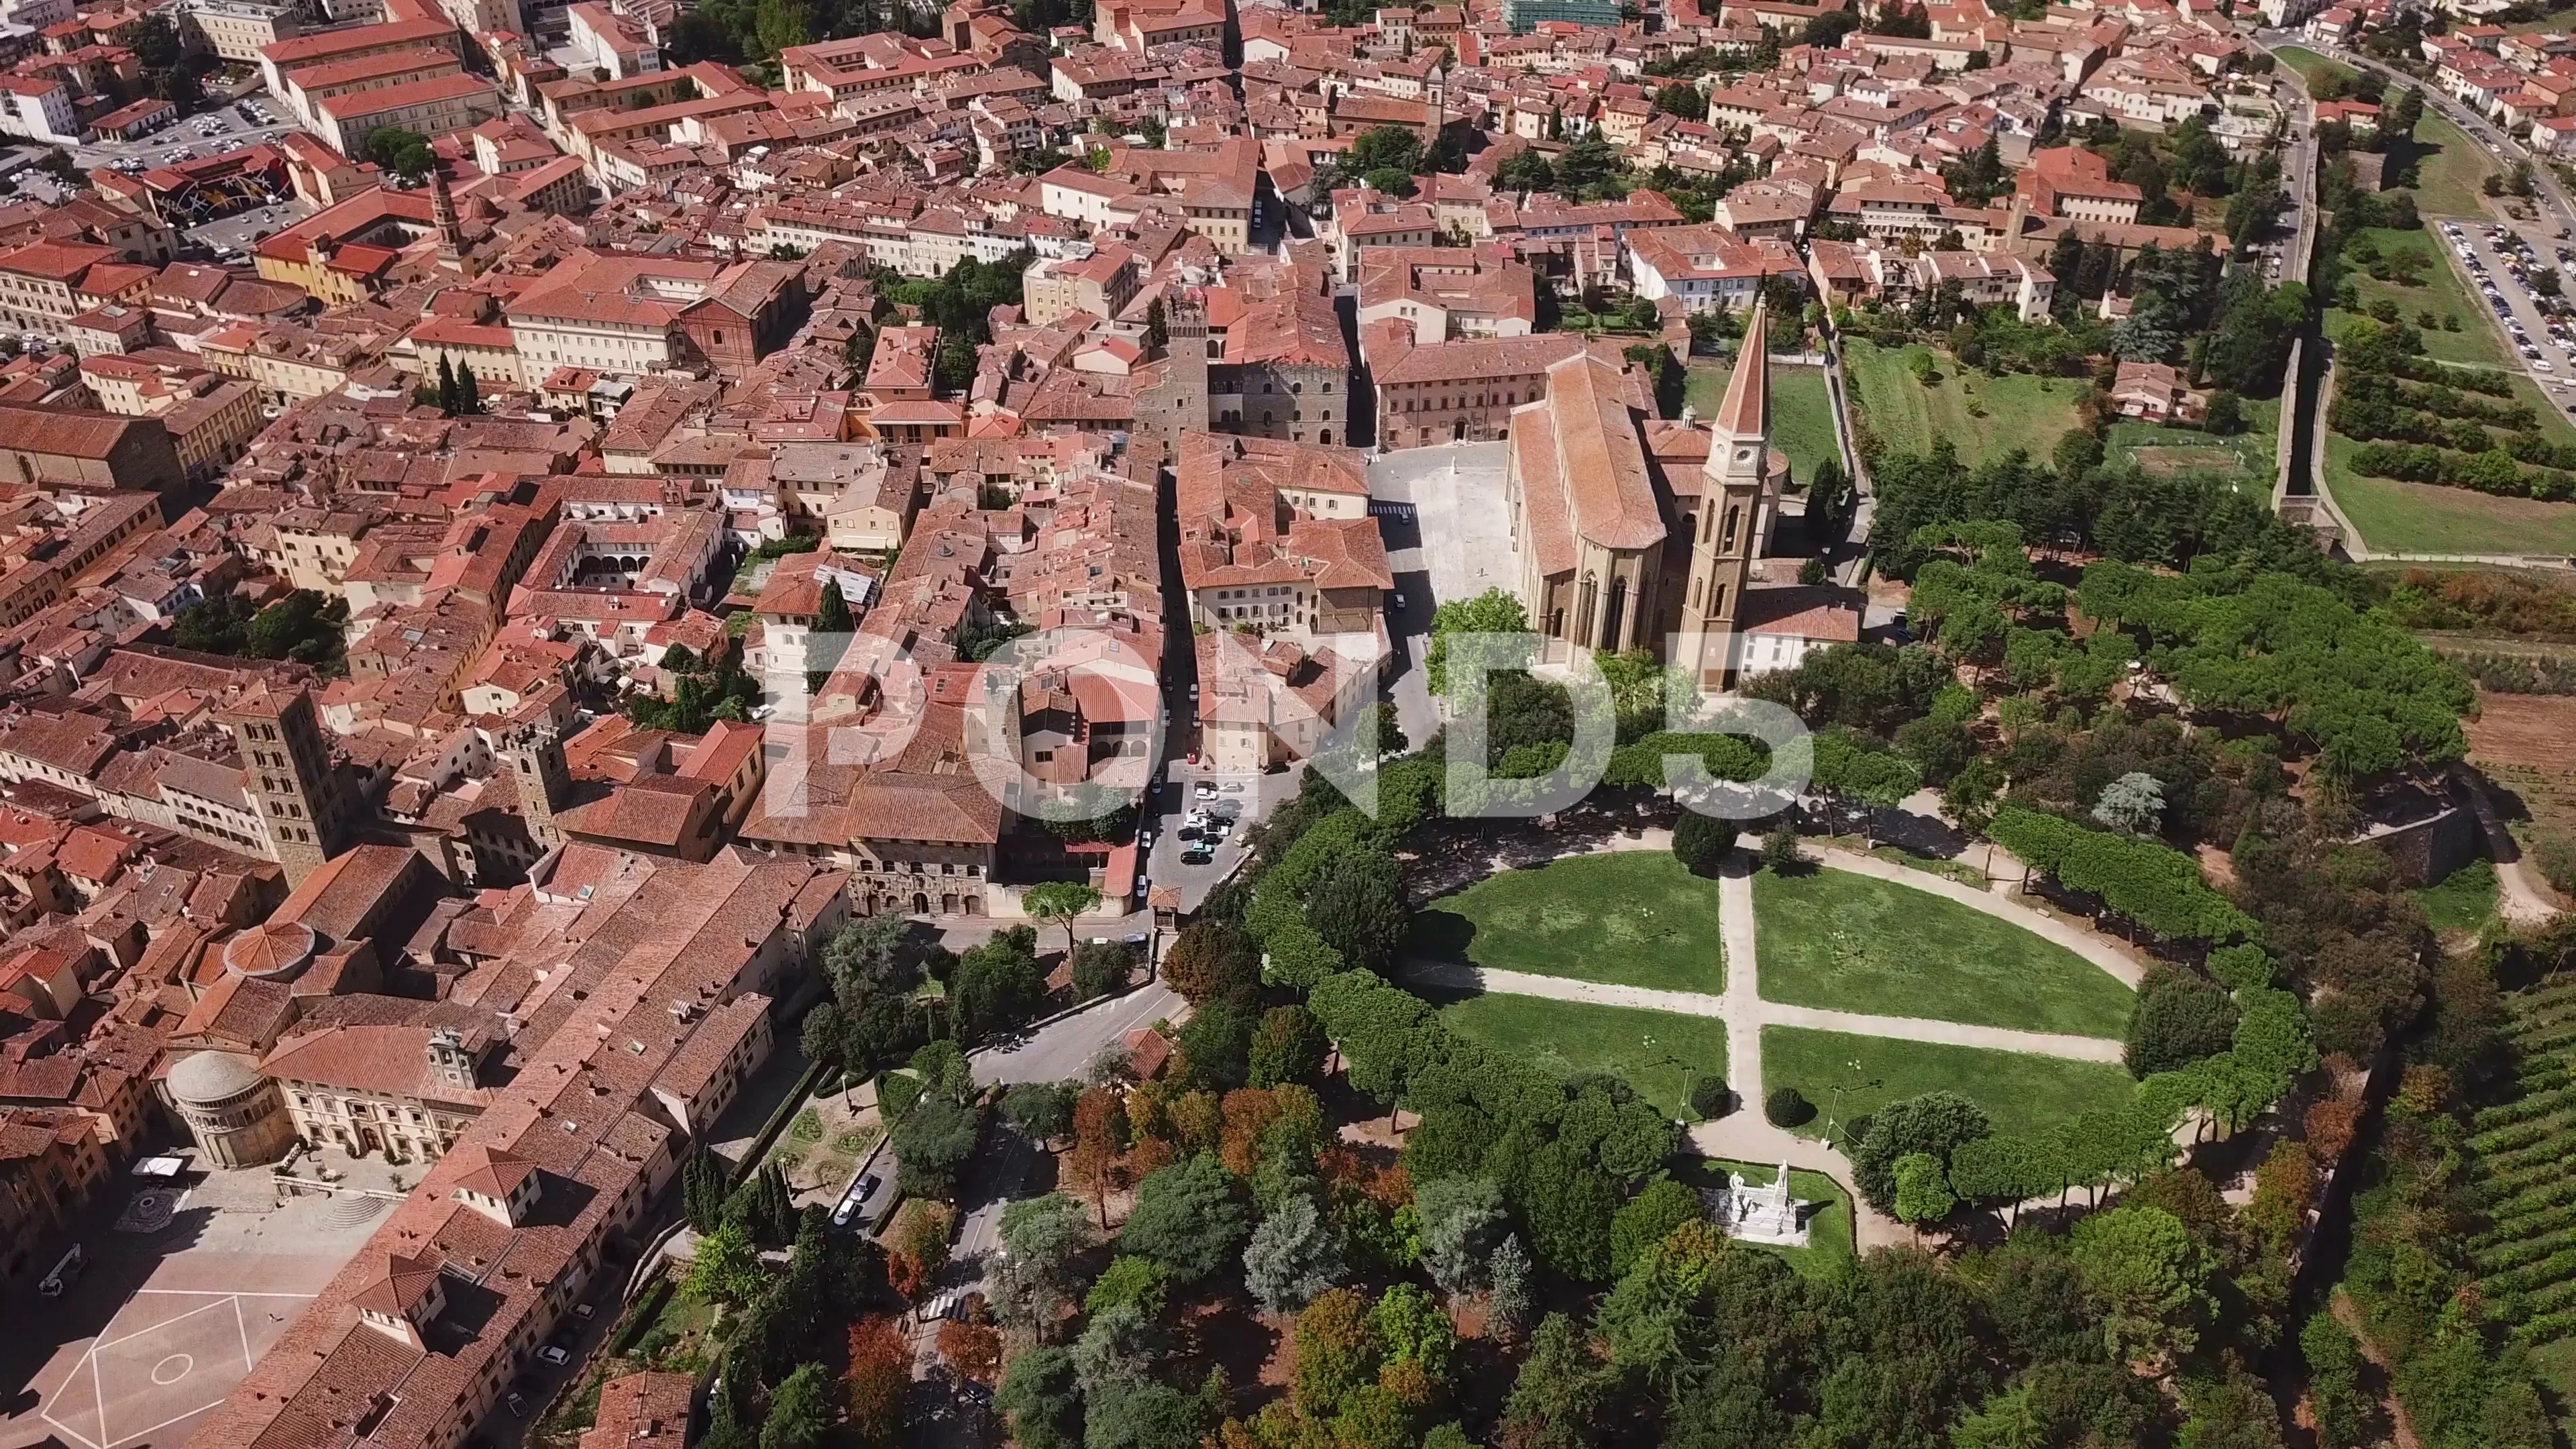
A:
(1726, 534)
(289, 771)
(532, 745)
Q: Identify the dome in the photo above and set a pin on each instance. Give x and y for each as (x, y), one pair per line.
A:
(278, 949)
(210, 1077)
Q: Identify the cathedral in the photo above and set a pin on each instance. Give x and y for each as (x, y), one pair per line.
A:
(1639, 533)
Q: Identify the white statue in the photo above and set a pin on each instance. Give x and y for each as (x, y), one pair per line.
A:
(1758, 1214)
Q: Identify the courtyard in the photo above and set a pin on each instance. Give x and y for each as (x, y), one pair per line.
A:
(162, 1324)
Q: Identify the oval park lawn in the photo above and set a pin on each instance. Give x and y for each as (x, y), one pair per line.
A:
(1629, 918)
(1846, 942)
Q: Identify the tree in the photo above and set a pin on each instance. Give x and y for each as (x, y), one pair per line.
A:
(1100, 968)
(1781, 852)
(1507, 1302)
(1934, 1124)
(446, 385)
(800, 1410)
(1288, 1046)
(1491, 612)
(702, 1191)
(400, 151)
(1556, 1399)
(1412, 1329)
(1682, 99)
(1294, 1255)
(2179, 1017)
(1037, 1274)
(1462, 1221)
(1216, 1046)
(973, 1349)
(1061, 901)
(1039, 1397)
(2342, 1402)
(1097, 1164)
(1647, 1219)
(1357, 906)
(879, 1376)
(997, 985)
(1136, 1282)
(1702, 843)
(2135, 802)
(1568, 1204)
(932, 1141)
(2146, 1278)
(1337, 1352)
(469, 393)
(1922, 1191)
(1189, 1218)
(1041, 1110)
(1211, 961)
(726, 1268)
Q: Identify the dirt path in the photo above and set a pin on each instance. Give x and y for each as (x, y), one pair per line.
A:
(2350, 1317)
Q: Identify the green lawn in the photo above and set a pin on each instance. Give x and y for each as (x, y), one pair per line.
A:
(2312, 66)
(2021, 1093)
(2450, 170)
(2440, 292)
(1802, 419)
(2245, 459)
(2400, 517)
(2463, 900)
(2020, 410)
(2395, 516)
(1829, 1228)
(1802, 409)
(1856, 943)
(1631, 917)
(1654, 1050)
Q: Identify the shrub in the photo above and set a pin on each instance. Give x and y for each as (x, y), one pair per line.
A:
(1709, 1097)
(1788, 1107)
(1700, 843)
(1780, 850)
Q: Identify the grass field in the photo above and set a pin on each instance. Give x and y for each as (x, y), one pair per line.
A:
(1856, 943)
(1655, 1050)
(2463, 900)
(1633, 917)
(2395, 516)
(2312, 66)
(2021, 1093)
(2440, 292)
(1829, 1228)
(2021, 411)
(1802, 409)
(2450, 169)
(2245, 459)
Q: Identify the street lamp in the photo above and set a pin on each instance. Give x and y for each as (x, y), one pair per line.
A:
(1669, 1059)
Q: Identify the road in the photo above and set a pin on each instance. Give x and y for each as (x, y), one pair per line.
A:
(2552, 200)
(1063, 1049)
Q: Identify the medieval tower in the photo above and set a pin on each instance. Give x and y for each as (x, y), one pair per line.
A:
(288, 769)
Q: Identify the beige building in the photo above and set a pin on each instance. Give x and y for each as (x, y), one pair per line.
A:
(403, 1091)
(238, 30)
(1098, 281)
(237, 1116)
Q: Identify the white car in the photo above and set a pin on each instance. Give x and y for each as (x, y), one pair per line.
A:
(554, 1355)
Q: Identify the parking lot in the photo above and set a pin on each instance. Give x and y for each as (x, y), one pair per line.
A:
(2505, 264)
(215, 132)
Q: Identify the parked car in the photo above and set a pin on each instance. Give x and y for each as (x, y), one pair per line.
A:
(554, 1355)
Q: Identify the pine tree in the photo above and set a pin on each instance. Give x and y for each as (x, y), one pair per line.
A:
(702, 1193)
(446, 385)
